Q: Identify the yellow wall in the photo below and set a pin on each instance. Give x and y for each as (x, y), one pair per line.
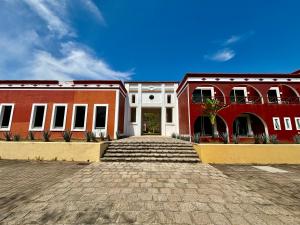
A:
(249, 153)
(72, 151)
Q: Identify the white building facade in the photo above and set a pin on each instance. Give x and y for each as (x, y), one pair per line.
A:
(151, 108)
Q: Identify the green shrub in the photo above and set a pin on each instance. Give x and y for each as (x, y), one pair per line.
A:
(90, 136)
(264, 138)
(197, 137)
(224, 137)
(173, 135)
(31, 136)
(235, 139)
(67, 135)
(257, 139)
(297, 139)
(16, 137)
(46, 135)
(273, 139)
(8, 136)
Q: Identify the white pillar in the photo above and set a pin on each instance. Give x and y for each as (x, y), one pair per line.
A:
(163, 111)
(139, 111)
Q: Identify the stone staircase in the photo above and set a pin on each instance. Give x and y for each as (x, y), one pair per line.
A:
(158, 150)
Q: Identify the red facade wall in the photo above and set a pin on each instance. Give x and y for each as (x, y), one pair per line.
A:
(264, 111)
(183, 115)
(121, 113)
(23, 100)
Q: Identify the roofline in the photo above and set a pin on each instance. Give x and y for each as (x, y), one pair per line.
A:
(152, 82)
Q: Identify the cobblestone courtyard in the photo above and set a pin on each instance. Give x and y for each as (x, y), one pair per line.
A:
(146, 193)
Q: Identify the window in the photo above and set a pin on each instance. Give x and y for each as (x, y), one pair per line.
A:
(238, 95)
(287, 123)
(240, 126)
(297, 122)
(133, 99)
(201, 94)
(6, 113)
(151, 97)
(100, 115)
(79, 117)
(169, 99)
(133, 115)
(169, 115)
(274, 95)
(58, 117)
(276, 123)
(38, 115)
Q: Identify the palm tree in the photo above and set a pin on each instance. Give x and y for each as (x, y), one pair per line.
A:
(211, 107)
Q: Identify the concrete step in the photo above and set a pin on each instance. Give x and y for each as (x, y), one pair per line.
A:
(150, 144)
(150, 159)
(150, 151)
(147, 155)
(149, 148)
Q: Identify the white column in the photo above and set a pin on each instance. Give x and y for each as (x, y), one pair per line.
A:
(139, 111)
(163, 111)
(176, 114)
(117, 113)
(126, 113)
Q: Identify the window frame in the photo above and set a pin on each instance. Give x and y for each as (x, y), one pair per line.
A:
(52, 128)
(169, 96)
(296, 124)
(31, 128)
(211, 89)
(94, 117)
(135, 122)
(133, 97)
(73, 117)
(277, 94)
(290, 123)
(241, 89)
(10, 118)
(274, 119)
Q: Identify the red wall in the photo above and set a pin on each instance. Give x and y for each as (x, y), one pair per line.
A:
(264, 111)
(121, 113)
(183, 115)
(24, 99)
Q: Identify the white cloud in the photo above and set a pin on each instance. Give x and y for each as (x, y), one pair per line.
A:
(221, 55)
(75, 62)
(233, 39)
(92, 7)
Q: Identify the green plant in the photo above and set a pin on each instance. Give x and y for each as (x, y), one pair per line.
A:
(117, 134)
(197, 137)
(16, 137)
(173, 135)
(257, 139)
(101, 137)
(67, 135)
(264, 138)
(90, 136)
(31, 136)
(235, 139)
(297, 139)
(46, 135)
(8, 136)
(211, 108)
(273, 139)
(224, 137)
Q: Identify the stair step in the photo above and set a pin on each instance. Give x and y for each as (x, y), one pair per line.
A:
(150, 159)
(150, 151)
(150, 144)
(146, 155)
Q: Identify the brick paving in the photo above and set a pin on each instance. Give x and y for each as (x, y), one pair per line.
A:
(148, 193)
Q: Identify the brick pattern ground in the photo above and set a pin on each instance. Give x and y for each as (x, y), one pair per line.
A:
(149, 193)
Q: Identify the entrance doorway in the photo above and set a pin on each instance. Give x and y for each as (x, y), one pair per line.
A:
(151, 121)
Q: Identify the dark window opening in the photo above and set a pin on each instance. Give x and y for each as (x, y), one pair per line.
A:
(238, 96)
(59, 116)
(169, 99)
(38, 116)
(79, 117)
(203, 126)
(240, 126)
(133, 99)
(151, 97)
(200, 95)
(133, 115)
(272, 96)
(5, 116)
(169, 115)
(100, 117)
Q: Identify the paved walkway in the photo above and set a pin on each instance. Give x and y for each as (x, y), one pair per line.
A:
(148, 193)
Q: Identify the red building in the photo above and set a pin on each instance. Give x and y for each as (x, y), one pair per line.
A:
(254, 104)
(55, 106)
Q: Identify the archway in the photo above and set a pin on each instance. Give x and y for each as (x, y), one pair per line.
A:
(203, 127)
(248, 125)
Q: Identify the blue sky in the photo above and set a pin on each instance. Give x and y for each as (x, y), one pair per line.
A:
(146, 40)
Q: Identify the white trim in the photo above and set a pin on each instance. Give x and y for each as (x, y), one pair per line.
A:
(116, 114)
(10, 118)
(285, 120)
(33, 111)
(211, 89)
(53, 117)
(277, 94)
(297, 127)
(73, 117)
(94, 129)
(241, 89)
(274, 119)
